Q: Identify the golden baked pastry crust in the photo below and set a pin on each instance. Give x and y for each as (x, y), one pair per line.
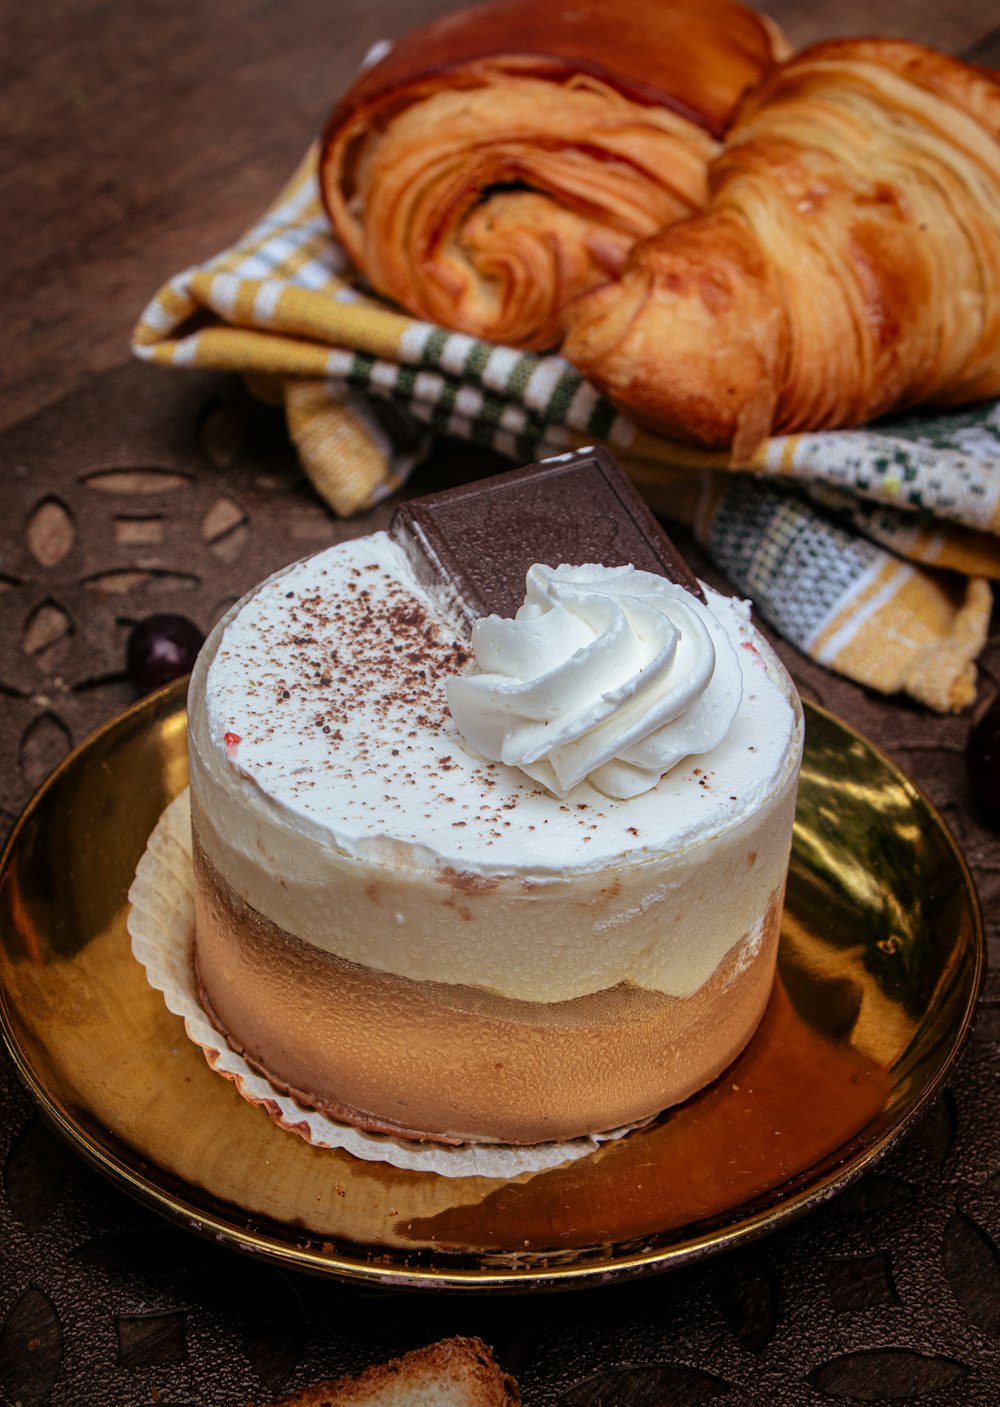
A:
(848, 263)
(500, 161)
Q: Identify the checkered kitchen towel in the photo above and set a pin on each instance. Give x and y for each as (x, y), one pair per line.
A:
(871, 550)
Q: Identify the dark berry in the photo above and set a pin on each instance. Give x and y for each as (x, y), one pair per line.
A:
(982, 755)
(161, 648)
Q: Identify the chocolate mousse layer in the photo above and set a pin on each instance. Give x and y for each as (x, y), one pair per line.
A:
(450, 1063)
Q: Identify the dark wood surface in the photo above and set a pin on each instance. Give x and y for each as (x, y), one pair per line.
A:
(140, 139)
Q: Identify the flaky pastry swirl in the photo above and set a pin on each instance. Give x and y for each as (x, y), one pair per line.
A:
(502, 160)
(848, 263)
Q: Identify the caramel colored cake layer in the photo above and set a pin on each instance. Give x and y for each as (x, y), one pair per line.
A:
(430, 1059)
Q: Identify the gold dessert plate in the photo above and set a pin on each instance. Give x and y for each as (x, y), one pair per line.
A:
(881, 963)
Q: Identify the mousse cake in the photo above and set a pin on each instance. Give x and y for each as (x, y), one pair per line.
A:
(491, 817)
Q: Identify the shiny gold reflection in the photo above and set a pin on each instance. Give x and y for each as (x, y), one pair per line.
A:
(880, 967)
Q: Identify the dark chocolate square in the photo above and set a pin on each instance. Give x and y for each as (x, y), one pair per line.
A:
(478, 540)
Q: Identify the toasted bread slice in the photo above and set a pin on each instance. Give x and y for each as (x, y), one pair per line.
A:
(456, 1372)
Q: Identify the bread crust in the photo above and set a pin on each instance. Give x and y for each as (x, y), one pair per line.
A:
(854, 228)
(500, 161)
(455, 1372)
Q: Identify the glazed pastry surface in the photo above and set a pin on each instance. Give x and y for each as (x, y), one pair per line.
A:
(847, 265)
(501, 160)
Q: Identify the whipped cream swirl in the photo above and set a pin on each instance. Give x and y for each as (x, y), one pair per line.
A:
(607, 674)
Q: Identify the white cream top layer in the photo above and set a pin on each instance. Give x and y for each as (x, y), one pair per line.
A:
(325, 697)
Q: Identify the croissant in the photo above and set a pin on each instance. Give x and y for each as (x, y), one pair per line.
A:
(848, 263)
(499, 161)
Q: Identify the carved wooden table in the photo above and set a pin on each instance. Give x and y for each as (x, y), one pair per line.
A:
(145, 143)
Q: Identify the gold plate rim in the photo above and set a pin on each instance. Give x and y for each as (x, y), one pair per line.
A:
(295, 1248)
